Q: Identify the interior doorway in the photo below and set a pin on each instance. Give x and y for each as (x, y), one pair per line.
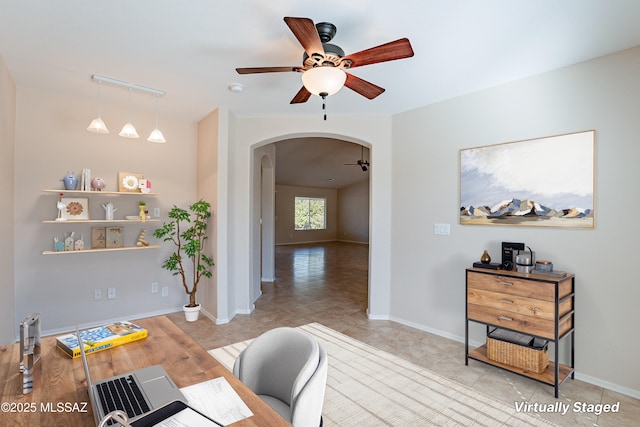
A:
(339, 166)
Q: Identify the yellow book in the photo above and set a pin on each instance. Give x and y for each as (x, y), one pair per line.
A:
(101, 338)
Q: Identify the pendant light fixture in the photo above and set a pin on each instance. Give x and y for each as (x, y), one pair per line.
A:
(97, 125)
(156, 134)
(128, 131)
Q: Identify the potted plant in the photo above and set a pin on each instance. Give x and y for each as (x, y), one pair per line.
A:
(187, 229)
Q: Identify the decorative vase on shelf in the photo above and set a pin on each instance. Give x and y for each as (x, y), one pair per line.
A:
(70, 181)
(485, 258)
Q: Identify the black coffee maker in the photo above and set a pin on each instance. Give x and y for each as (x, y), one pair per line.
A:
(509, 252)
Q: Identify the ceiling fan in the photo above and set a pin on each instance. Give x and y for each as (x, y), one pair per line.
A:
(322, 57)
(364, 164)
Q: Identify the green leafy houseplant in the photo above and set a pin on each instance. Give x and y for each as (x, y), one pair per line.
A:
(188, 232)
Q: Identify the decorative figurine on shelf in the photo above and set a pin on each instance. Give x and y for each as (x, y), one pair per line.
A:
(145, 185)
(61, 207)
(108, 210)
(70, 181)
(485, 258)
(68, 241)
(143, 210)
(141, 242)
(98, 184)
(79, 244)
(58, 245)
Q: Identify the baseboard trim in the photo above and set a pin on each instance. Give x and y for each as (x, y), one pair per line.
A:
(582, 377)
(131, 318)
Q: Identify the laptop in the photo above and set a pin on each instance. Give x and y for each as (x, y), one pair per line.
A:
(176, 413)
(135, 393)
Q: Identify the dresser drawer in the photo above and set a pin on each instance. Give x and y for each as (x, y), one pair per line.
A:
(512, 303)
(527, 288)
(516, 321)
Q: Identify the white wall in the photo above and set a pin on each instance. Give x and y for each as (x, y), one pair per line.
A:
(207, 189)
(51, 139)
(428, 271)
(285, 207)
(7, 145)
(353, 212)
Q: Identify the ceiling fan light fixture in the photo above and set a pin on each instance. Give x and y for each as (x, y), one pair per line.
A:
(324, 80)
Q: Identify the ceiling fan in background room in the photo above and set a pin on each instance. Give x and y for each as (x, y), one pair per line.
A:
(364, 164)
(324, 64)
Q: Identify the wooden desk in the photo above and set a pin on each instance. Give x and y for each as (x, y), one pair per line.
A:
(59, 380)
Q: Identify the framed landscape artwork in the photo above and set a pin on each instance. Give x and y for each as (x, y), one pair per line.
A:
(543, 182)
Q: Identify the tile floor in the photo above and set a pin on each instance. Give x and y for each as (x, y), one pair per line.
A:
(327, 283)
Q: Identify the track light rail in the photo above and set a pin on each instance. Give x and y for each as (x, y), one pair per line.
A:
(132, 86)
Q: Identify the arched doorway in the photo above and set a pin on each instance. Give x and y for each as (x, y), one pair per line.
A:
(265, 170)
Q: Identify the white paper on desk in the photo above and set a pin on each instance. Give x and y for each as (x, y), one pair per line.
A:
(218, 400)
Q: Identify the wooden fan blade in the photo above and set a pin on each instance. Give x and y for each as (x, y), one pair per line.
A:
(303, 95)
(363, 87)
(305, 31)
(256, 70)
(391, 51)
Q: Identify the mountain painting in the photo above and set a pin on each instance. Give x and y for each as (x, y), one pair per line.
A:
(544, 182)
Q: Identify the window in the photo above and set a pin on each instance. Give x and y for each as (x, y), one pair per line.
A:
(310, 213)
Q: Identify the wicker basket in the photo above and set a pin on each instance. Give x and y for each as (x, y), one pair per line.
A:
(529, 357)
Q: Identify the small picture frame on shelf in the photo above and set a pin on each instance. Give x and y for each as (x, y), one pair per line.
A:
(98, 237)
(75, 208)
(114, 237)
(129, 182)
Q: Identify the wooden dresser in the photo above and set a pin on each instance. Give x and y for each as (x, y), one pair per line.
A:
(534, 304)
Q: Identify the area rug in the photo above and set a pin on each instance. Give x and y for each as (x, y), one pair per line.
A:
(370, 387)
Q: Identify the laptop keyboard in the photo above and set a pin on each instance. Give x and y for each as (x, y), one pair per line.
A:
(124, 394)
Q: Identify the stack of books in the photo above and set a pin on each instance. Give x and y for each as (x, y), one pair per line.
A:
(101, 338)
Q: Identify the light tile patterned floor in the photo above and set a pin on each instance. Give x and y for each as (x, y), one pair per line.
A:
(327, 283)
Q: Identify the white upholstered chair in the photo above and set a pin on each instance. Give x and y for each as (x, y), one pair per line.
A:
(287, 368)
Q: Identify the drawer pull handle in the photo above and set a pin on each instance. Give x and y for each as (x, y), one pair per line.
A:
(535, 309)
(504, 282)
(508, 301)
(505, 318)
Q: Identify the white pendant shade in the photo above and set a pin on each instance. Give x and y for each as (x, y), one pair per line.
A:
(156, 136)
(324, 80)
(98, 126)
(128, 131)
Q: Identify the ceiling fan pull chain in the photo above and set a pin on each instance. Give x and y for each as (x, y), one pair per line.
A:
(324, 104)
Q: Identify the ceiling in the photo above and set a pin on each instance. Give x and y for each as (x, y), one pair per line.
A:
(319, 162)
(190, 48)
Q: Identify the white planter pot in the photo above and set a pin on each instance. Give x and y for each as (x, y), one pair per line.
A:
(191, 313)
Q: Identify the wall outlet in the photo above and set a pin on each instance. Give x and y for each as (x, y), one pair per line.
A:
(97, 294)
(156, 212)
(165, 291)
(154, 287)
(111, 293)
